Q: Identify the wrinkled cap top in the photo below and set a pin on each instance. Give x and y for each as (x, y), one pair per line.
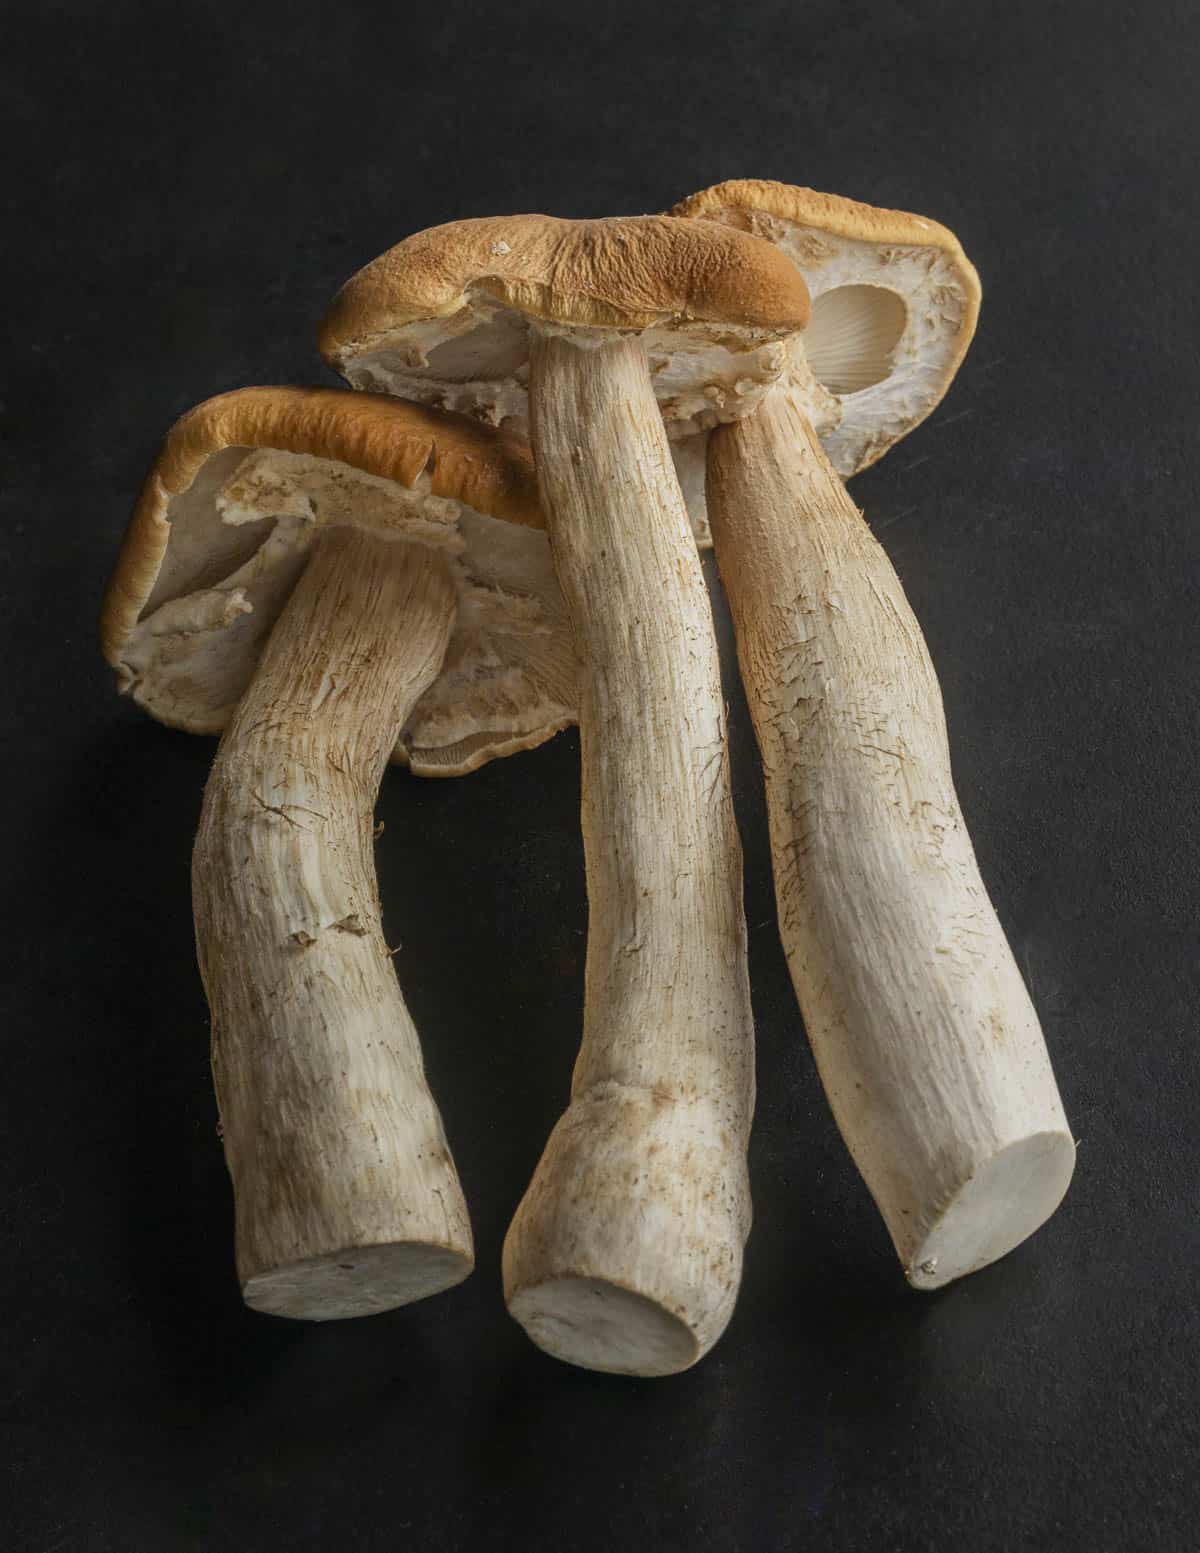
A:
(894, 307)
(230, 507)
(444, 316)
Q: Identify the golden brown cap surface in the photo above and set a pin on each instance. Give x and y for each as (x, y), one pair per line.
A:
(630, 272)
(895, 304)
(219, 533)
(806, 207)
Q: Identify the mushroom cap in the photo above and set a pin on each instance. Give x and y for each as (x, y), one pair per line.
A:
(895, 303)
(224, 520)
(443, 317)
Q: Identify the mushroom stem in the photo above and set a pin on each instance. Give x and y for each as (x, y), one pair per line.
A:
(924, 1035)
(625, 1253)
(347, 1200)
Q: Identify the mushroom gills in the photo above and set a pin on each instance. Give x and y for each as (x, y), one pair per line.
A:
(851, 339)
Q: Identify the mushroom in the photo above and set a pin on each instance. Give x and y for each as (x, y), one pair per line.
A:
(625, 1253)
(924, 1034)
(329, 580)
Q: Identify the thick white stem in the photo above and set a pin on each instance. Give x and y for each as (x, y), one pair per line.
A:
(626, 1251)
(347, 1200)
(926, 1041)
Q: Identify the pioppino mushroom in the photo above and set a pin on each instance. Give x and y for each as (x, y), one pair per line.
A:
(926, 1040)
(626, 1252)
(330, 579)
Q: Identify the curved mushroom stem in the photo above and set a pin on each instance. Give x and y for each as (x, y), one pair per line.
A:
(625, 1253)
(925, 1037)
(347, 1200)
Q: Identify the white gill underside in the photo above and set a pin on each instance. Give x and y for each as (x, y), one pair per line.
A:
(476, 362)
(851, 339)
(871, 363)
(932, 293)
(239, 539)
(925, 281)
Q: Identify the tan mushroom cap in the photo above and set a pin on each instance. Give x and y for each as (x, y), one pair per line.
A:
(224, 520)
(895, 303)
(443, 317)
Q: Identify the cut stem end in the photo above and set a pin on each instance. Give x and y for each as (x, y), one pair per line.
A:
(600, 1325)
(1011, 1195)
(361, 1281)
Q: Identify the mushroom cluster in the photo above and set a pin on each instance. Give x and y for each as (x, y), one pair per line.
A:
(492, 534)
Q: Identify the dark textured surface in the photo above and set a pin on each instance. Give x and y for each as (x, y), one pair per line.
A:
(187, 187)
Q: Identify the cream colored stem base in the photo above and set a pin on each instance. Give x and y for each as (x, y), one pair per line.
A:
(346, 1196)
(626, 1252)
(926, 1041)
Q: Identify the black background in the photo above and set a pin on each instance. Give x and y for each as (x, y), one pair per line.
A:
(186, 188)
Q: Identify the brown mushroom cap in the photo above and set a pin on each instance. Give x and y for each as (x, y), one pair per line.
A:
(895, 303)
(443, 317)
(225, 517)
